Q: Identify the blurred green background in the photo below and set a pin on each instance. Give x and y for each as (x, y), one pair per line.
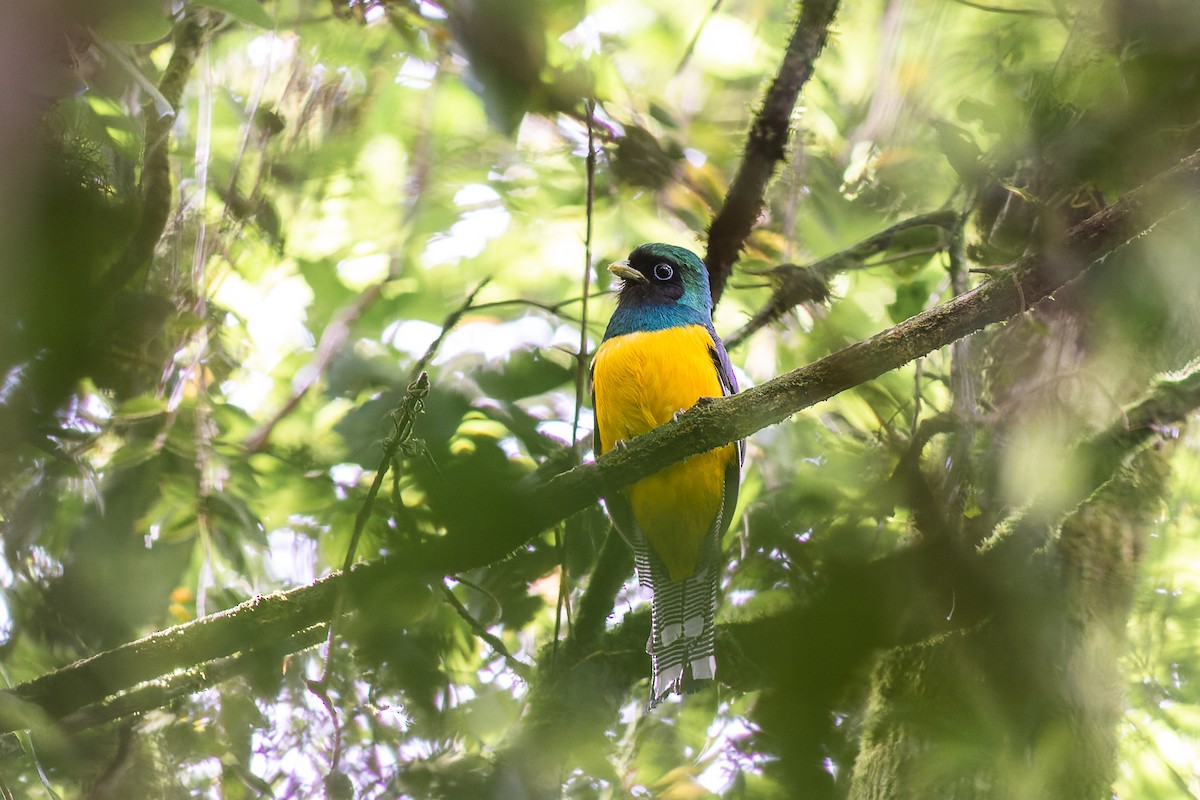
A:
(229, 231)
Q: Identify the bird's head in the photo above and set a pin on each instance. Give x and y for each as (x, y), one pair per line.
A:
(661, 274)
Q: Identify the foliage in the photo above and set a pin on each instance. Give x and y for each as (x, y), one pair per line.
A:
(198, 359)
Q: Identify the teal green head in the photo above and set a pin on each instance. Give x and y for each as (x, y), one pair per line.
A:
(662, 286)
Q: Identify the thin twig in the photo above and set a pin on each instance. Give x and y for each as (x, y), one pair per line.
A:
(1031, 12)
(333, 337)
(404, 417)
(448, 323)
(581, 357)
(522, 669)
(550, 308)
(801, 284)
(581, 364)
(691, 47)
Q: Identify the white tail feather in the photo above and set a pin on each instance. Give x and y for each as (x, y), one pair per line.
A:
(704, 669)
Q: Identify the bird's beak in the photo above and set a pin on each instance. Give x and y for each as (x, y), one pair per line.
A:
(622, 270)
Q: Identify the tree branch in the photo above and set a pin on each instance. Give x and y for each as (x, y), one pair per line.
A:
(934, 587)
(158, 693)
(767, 143)
(801, 284)
(493, 527)
(613, 566)
(1013, 290)
(334, 337)
(189, 36)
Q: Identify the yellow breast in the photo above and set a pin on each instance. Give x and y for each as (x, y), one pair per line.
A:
(641, 380)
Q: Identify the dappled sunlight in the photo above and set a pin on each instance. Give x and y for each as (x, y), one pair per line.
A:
(295, 286)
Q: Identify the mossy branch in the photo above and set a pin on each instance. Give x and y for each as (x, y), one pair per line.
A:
(493, 527)
(189, 36)
(766, 145)
(795, 284)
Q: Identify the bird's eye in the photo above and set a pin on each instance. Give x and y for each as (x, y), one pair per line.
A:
(663, 272)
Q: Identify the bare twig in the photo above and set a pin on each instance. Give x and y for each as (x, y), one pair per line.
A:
(581, 357)
(448, 324)
(515, 664)
(1030, 12)
(332, 339)
(401, 439)
(809, 283)
(549, 308)
(691, 47)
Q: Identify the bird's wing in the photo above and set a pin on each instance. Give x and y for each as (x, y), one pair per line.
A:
(721, 360)
(733, 476)
(591, 386)
(729, 384)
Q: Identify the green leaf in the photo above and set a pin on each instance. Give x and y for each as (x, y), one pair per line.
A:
(247, 11)
(135, 23)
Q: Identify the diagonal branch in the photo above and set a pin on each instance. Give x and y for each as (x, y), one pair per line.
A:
(1012, 291)
(189, 37)
(767, 143)
(801, 284)
(333, 340)
(859, 608)
(493, 527)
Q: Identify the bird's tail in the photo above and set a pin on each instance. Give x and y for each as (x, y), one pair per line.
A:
(683, 634)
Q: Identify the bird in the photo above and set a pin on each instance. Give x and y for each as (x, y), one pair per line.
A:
(660, 354)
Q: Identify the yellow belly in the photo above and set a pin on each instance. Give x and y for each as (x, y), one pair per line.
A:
(641, 380)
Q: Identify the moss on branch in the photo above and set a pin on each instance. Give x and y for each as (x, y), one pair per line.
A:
(493, 527)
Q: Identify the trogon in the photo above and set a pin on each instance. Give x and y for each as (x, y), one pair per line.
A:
(660, 354)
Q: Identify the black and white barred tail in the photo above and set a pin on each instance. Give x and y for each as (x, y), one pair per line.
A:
(682, 634)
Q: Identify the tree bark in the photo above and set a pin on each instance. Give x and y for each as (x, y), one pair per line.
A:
(1027, 703)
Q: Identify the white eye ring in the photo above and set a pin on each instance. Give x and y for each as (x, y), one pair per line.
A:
(663, 272)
